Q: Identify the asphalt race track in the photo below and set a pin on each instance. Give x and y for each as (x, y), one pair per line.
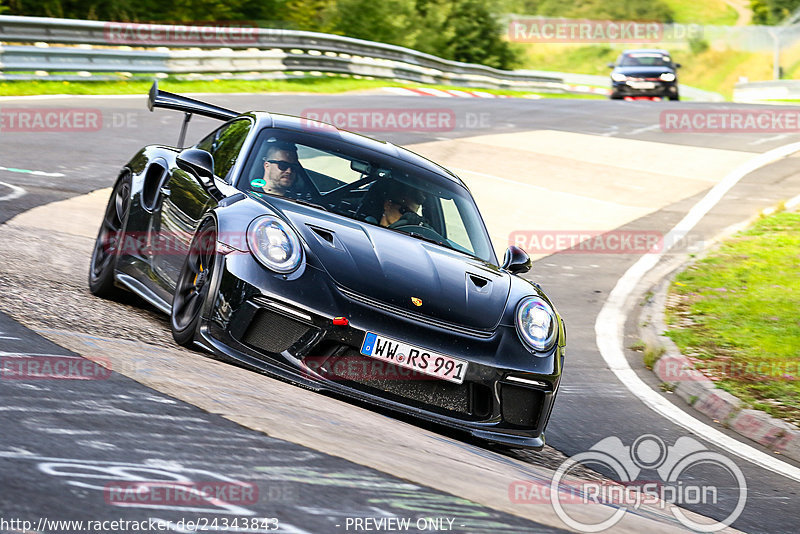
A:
(319, 462)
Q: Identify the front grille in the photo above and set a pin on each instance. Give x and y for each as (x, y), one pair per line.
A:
(272, 332)
(397, 383)
(521, 406)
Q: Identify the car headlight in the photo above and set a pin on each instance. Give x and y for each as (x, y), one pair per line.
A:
(274, 244)
(667, 77)
(536, 323)
(618, 77)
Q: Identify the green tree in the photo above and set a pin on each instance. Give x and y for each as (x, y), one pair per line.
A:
(477, 36)
(386, 21)
(760, 11)
(133, 10)
(772, 11)
(312, 15)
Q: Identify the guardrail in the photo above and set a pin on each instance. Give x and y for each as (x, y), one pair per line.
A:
(765, 91)
(263, 51)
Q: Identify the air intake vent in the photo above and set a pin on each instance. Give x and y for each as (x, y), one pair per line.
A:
(521, 406)
(479, 282)
(326, 235)
(272, 332)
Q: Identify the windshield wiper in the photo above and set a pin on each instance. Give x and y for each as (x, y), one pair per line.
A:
(307, 203)
(298, 200)
(424, 238)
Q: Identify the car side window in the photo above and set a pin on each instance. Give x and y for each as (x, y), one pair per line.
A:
(225, 144)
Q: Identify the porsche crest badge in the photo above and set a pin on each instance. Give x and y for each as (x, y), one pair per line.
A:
(416, 301)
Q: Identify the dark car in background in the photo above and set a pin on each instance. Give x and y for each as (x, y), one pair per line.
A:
(648, 73)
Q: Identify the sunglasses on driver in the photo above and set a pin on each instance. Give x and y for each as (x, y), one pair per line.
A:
(283, 165)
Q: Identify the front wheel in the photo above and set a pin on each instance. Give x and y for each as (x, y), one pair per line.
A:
(109, 239)
(193, 285)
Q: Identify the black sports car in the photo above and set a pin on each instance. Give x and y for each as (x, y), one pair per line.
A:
(644, 73)
(336, 262)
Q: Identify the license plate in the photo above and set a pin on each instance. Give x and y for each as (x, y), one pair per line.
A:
(642, 85)
(414, 358)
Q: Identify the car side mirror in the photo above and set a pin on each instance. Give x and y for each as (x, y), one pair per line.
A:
(611, 65)
(201, 164)
(516, 261)
(196, 161)
(677, 65)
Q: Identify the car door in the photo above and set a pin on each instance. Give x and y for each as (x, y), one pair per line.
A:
(184, 201)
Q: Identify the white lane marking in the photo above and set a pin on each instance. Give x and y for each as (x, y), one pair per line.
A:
(791, 203)
(611, 320)
(645, 129)
(100, 411)
(16, 191)
(35, 173)
(27, 354)
(532, 186)
(51, 97)
(768, 139)
(614, 130)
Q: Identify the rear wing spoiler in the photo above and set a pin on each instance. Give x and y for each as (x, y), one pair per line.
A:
(189, 106)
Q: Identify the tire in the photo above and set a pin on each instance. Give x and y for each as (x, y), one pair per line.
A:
(675, 98)
(193, 285)
(106, 249)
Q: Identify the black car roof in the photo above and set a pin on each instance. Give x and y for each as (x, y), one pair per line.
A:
(646, 51)
(266, 119)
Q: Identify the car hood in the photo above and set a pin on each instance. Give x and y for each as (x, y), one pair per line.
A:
(396, 269)
(643, 72)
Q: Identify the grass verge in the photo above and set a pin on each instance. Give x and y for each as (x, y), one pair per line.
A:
(322, 84)
(706, 12)
(735, 315)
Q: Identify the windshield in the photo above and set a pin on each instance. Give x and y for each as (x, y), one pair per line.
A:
(367, 186)
(649, 59)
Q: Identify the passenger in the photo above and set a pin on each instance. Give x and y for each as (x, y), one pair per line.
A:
(402, 207)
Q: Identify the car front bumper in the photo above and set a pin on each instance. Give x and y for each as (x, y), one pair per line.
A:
(283, 326)
(660, 89)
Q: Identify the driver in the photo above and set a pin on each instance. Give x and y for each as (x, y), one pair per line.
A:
(402, 207)
(281, 169)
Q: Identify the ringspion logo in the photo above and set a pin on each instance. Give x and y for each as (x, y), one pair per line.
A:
(675, 476)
